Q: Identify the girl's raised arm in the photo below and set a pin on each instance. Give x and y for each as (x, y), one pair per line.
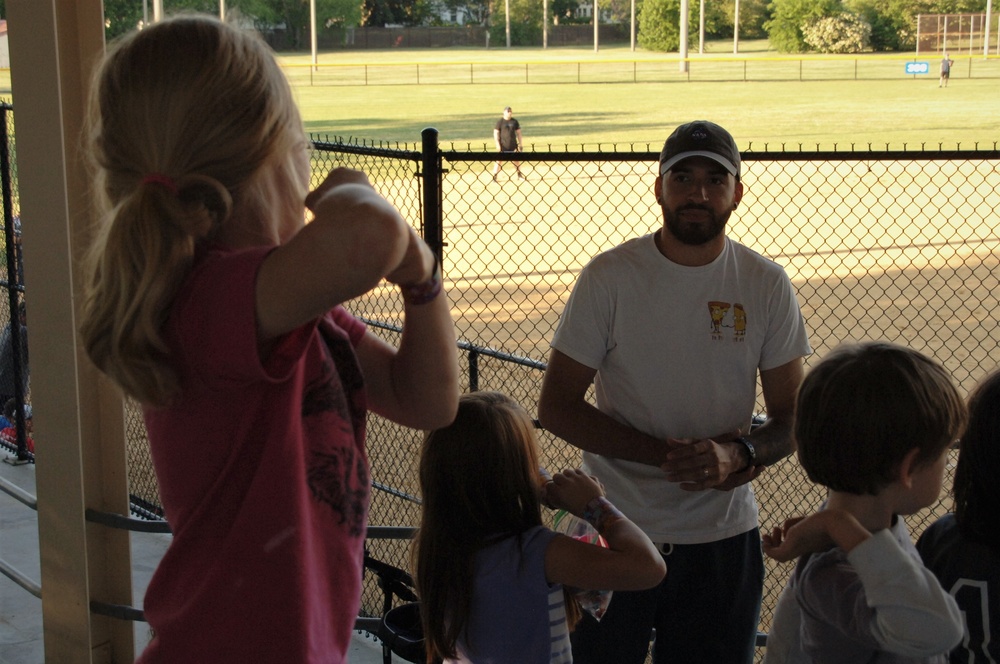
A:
(356, 239)
(630, 563)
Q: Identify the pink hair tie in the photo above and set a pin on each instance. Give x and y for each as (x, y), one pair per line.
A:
(163, 180)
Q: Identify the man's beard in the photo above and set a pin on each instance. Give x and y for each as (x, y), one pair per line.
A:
(695, 233)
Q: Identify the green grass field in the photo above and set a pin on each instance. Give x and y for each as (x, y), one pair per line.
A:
(835, 113)
(883, 108)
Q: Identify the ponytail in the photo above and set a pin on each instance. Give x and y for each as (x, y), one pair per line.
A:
(142, 256)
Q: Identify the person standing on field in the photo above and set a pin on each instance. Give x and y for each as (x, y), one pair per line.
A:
(507, 136)
(946, 64)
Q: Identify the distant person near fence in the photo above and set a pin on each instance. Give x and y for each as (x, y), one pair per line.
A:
(672, 329)
(507, 137)
(255, 382)
(946, 64)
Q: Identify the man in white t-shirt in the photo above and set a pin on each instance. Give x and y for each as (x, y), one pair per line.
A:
(672, 328)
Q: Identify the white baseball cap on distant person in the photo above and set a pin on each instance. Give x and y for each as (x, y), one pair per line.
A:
(701, 139)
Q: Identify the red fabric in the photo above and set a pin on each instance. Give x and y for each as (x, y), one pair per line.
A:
(10, 435)
(263, 477)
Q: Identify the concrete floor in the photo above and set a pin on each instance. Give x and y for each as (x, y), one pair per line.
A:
(21, 612)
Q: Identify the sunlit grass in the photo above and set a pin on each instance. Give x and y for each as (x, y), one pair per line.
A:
(837, 114)
(829, 109)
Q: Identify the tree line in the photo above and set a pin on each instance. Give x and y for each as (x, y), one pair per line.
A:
(792, 26)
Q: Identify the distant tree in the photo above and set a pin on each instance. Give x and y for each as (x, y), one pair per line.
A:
(844, 33)
(718, 21)
(293, 16)
(200, 6)
(788, 17)
(342, 13)
(615, 11)
(394, 12)
(753, 14)
(121, 16)
(476, 11)
(894, 21)
(564, 11)
(525, 23)
(659, 24)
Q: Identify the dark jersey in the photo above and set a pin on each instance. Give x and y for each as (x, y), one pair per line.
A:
(508, 134)
(970, 571)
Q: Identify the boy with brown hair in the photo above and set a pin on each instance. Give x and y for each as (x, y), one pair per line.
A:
(873, 423)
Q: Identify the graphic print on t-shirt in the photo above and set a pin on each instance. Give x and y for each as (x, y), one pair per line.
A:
(337, 473)
(725, 315)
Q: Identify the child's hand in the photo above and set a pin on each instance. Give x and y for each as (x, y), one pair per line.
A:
(417, 264)
(571, 490)
(799, 535)
(335, 178)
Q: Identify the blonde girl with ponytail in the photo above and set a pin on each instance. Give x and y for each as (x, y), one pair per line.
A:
(214, 304)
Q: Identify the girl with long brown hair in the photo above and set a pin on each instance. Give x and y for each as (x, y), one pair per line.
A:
(490, 576)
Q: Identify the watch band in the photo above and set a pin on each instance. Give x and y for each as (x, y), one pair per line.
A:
(751, 451)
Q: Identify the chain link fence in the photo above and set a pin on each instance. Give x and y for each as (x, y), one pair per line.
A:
(900, 246)
(15, 424)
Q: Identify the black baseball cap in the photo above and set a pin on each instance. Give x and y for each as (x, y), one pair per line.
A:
(701, 139)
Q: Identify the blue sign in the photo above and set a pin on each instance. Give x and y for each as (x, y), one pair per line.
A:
(918, 68)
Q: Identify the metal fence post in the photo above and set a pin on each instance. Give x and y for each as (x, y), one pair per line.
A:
(473, 370)
(432, 173)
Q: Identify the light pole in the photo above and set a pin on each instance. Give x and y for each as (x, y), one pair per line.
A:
(632, 28)
(597, 20)
(736, 28)
(684, 36)
(701, 27)
(506, 10)
(312, 33)
(986, 29)
(545, 23)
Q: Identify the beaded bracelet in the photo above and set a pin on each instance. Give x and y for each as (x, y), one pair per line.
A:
(601, 513)
(424, 291)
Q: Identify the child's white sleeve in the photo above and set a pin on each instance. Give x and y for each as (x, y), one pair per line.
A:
(912, 614)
